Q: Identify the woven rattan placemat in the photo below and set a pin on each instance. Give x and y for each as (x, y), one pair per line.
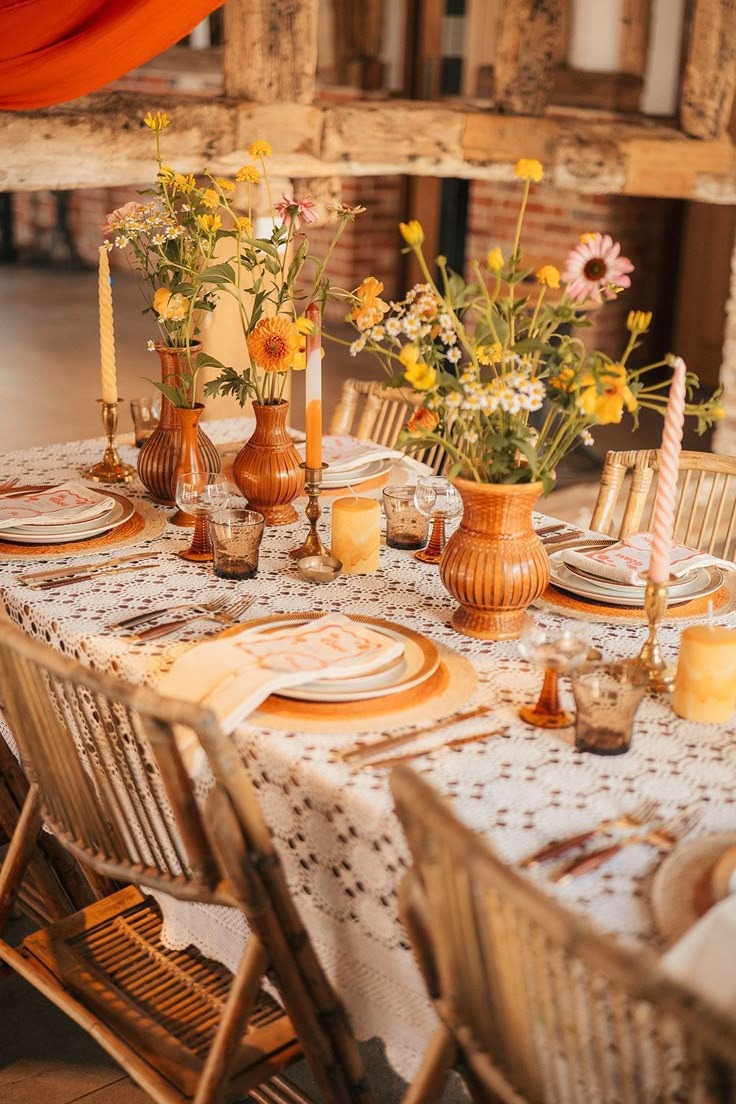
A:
(146, 523)
(557, 601)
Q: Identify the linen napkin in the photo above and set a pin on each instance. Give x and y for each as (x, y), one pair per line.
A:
(234, 674)
(343, 453)
(703, 959)
(627, 561)
(66, 503)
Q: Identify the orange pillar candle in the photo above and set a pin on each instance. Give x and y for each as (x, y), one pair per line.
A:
(107, 335)
(356, 534)
(705, 685)
(313, 389)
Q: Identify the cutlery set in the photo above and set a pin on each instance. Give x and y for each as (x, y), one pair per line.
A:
(660, 833)
(369, 756)
(222, 610)
(64, 576)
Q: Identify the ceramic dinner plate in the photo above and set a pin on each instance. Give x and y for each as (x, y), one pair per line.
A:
(118, 514)
(697, 584)
(420, 661)
(682, 890)
(370, 470)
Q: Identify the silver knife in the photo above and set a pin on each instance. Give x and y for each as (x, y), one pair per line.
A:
(150, 615)
(34, 577)
(67, 581)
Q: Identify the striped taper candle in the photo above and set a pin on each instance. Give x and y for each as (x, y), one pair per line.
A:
(664, 505)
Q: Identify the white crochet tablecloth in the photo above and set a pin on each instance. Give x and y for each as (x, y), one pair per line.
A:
(340, 842)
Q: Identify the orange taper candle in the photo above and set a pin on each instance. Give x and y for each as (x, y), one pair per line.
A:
(313, 389)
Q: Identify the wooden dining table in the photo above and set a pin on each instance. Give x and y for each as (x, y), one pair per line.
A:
(332, 819)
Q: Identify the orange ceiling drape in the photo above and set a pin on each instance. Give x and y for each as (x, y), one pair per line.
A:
(53, 50)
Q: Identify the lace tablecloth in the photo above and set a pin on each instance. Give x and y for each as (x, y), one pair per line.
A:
(341, 845)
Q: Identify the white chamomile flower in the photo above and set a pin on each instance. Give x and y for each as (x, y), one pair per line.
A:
(471, 437)
(454, 354)
(393, 327)
(453, 400)
(378, 333)
(358, 345)
(587, 437)
(151, 346)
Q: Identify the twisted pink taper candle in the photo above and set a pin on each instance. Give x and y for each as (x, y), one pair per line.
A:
(664, 505)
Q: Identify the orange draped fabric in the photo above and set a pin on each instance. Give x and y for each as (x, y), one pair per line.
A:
(54, 50)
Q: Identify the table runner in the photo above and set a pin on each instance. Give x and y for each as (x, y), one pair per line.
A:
(341, 845)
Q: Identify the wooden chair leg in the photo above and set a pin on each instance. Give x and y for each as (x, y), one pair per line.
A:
(436, 1064)
(18, 854)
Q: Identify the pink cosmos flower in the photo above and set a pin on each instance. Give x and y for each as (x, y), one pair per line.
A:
(594, 269)
(119, 215)
(296, 211)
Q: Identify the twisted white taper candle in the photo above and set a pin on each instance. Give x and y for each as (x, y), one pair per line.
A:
(664, 506)
(107, 333)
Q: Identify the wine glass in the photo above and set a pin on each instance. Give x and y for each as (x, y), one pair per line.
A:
(438, 500)
(199, 494)
(558, 648)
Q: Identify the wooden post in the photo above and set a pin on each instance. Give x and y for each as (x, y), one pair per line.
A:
(271, 50)
(527, 54)
(636, 18)
(709, 80)
(357, 43)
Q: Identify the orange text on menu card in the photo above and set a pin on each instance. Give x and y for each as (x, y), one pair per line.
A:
(312, 649)
(45, 502)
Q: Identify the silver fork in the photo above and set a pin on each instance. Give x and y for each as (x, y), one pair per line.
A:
(664, 836)
(186, 607)
(8, 484)
(637, 818)
(224, 610)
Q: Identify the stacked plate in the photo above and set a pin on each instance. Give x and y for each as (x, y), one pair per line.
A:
(112, 511)
(696, 584)
(351, 461)
(418, 662)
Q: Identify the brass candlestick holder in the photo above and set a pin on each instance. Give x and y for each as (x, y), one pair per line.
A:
(312, 546)
(650, 660)
(111, 468)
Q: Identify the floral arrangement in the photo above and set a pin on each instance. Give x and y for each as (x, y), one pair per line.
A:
(172, 242)
(508, 385)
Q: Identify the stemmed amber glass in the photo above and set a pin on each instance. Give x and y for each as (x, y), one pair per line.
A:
(558, 647)
(201, 493)
(438, 500)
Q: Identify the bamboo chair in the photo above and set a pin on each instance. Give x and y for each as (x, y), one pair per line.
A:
(536, 1006)
(706, 505)
(371, 412)
(107, 776)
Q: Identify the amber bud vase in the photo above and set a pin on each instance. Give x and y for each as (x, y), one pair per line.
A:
(190, 454)
(159, 457)
(267, 469)
(494, 564)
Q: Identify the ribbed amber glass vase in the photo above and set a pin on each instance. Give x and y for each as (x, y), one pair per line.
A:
(494, 564)
(267, 469)
(159, 456)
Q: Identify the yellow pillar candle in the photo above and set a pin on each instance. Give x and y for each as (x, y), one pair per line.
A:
(705, 685)
(107, 334)
(356, 534)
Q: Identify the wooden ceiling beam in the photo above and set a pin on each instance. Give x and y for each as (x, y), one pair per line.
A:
(99, 141)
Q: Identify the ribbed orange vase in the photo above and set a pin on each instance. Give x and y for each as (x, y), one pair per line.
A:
(267, 468)
(159, 456)
(494, 564)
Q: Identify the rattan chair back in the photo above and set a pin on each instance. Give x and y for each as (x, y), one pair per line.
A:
(108, 768)
(706, 499)
(536, 1005)
(371, 412)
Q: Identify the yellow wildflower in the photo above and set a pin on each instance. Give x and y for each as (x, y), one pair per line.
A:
(564, 380)
(183, 183)
(495, 260)
(210, 198)
(638, 321)
(528, 168)
(369, 309)
(490, 354)
(412, 233)
(549, 276)
(588, 236)
(421, 376)
(156, 122)
(304, 326)
(605, 400)
(259, 149)
(225, 185)
(246, 225)
(247, 174)
(170, 308)
(210, 223)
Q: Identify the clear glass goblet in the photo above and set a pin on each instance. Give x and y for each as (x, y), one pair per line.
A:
(199, 494)
(558, 648)
(438, 500)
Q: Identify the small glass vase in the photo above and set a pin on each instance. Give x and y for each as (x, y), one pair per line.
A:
(267, 470)
(158, 459)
